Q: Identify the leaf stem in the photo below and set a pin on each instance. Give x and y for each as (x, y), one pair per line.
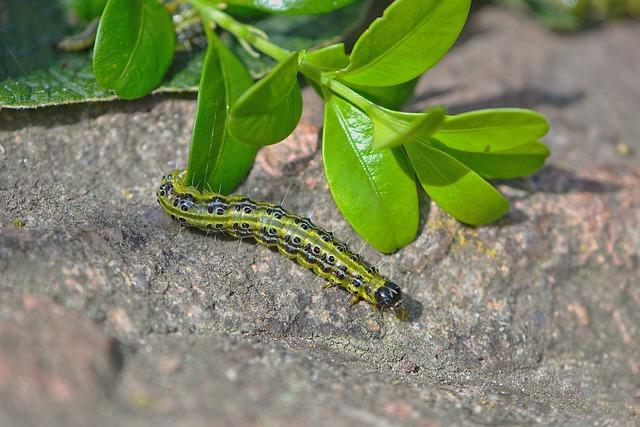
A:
(352, 96)
(243, 32)
(211, 13)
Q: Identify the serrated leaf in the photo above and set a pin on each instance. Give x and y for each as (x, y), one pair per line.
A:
(514, 162)
(392, 128)
(410, 38)
(374, 190)
(292, 7)
(217, 162)
(492, 130)
(270, 110)
(457, 189)
(134, 47)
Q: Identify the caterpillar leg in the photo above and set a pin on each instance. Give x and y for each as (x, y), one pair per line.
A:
(354, 300)
(402, 314)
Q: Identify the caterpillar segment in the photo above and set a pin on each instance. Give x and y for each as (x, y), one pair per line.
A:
(81, 41)
(293, 236)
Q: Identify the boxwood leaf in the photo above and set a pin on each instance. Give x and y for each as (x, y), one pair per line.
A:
(33, 73)
(292, 7)
(269, 111)
(503, 164)
(328, 58)
(392, 97)
(134, 47)
(88, 9)
(492, 130)
(217, 162)
(410, 38)
(374, 190)
(457, 189)
(236, 158)
(333, 57)
(393, 128)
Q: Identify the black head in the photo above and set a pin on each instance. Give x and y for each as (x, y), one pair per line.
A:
(389, 295)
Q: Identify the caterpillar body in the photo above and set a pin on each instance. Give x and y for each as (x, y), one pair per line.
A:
(81, 41)
(293, 236)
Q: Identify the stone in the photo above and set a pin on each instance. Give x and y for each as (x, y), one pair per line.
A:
(55, 366)
(530, 320)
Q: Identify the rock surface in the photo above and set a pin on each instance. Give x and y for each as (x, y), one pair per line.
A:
(112, 315)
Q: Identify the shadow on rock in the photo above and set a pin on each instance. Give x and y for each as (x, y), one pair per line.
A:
(515, 216)
(413, 309)
(523, 98)
(555, 180)
(427, 95)
(57, 115)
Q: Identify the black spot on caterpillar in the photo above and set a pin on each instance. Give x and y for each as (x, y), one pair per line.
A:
(293, 236)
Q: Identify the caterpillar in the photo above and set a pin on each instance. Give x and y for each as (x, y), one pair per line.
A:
(293, 236)
(81, 41)
(187, 24)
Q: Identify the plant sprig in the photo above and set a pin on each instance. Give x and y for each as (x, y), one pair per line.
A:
(372, 152)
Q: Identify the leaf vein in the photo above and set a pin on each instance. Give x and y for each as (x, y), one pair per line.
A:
(402, 39)
(136, 47)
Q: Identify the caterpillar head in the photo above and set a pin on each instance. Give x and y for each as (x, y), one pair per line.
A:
(165, 187)
(389, 296)
(172, 177)
(168, 183)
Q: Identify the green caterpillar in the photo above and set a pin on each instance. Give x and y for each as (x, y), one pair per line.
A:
(293, 236)
(81, 41)
(187, 24)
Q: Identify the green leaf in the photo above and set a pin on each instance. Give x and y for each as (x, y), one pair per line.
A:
(237, 158)
(31, 70)
(210, 125)
(395, 128)
(217, 162)
(558, 15)
(243, 13)
(392, 97)
(374, 190)
(410, 38)
(270, 110)
(333, 58)
(292, 7)
(134, 47)
(492, 130)
(301, 32)
(328, 58)
(505, 164)
(33, 73)
(457, 189)
(88, 9)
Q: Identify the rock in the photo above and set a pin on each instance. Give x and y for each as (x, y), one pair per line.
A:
(531, 320)
(55, 366)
